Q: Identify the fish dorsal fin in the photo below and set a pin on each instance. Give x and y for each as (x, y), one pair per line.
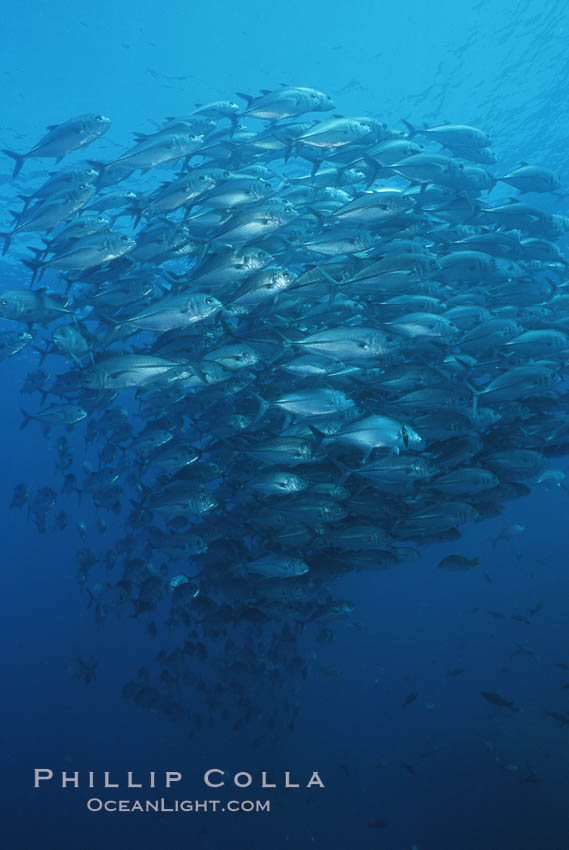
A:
(265, 91)
(52, 127)
(523, 163)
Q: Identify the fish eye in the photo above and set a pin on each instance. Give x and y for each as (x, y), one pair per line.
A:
(4, 302)
(99, 118)
(124, 238)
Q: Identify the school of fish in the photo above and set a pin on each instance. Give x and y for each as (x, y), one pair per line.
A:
(297, 346)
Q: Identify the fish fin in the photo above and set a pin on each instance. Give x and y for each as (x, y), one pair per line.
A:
(37, 268)
(19, 160)
(43, 352)
(136, 212)
(315, 167)
(7, 237)
(320, 435)
(234, 124)
(412, 130)
(263, 407)
(37, 251)
(243, 96)
(374, 166)
(27, 418)
(345, 470)
(475, 394)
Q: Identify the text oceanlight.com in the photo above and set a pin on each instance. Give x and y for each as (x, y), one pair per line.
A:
(95, 804)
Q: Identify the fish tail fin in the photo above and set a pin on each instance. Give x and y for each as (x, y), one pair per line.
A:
(263, 407)
(37, 268)
(246, 97)
(320, 435)
(19, 159)
(345, 470)
(373, 166)
(7, 237)
(43, 352)
(202, 251)
(475, 396)
(39, 252)
(316, 167)
(137, 213)
(108, 320)
(27, 418)
(112, 326)
(412, 130)
(234, 124)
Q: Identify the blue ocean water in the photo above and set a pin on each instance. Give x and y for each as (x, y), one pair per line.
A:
(448, 771)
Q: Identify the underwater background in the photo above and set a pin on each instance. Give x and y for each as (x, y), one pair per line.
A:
(446, 772)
